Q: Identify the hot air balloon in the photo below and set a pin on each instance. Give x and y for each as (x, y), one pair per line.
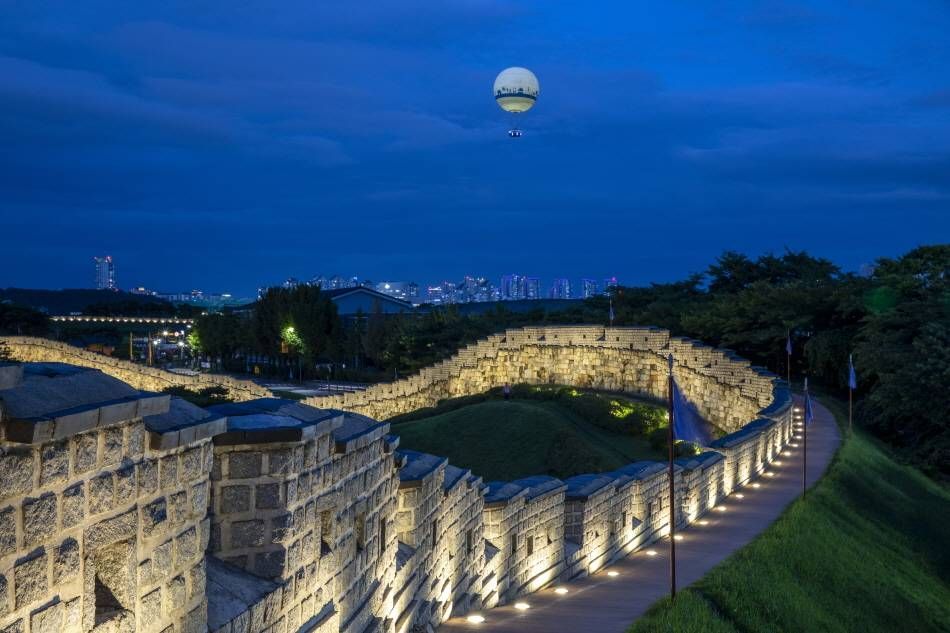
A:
(516, 90)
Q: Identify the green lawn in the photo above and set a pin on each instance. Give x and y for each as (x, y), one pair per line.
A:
(506, 440)
(867, 550)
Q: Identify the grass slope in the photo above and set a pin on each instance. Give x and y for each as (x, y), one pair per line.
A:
(867, 550)
(506, 440)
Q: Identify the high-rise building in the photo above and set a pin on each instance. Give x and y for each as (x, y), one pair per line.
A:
(609, 284)
(405, 290)
(513, 287)
(532, 288)
(561, 289)
(105, 273)
(588, 288)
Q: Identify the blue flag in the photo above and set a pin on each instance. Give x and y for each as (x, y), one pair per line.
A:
(688, 425)
(788, 344)
(852, 377)
(809, 412)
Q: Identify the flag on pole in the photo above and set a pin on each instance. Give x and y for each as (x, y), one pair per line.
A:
(611, 311)
(852, 377)
(688, 425)
(809, 413)
(788, 343)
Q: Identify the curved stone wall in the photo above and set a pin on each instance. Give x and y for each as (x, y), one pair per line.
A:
(40, 350)
(725, 388)
(416, 540)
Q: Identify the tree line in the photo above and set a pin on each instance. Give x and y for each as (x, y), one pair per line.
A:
(895, 320)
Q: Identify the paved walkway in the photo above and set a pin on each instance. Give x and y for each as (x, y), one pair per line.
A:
(605, 604)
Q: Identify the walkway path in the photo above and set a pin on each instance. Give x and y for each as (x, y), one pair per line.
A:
(605, 604)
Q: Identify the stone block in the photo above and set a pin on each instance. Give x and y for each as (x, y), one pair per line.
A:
(175, 595)
(13, 627)
(199, 499)
(7, 531)
(74, 505)
(270, 564)
(65, 561)
(186, 545)
(168, 471)
(118, 528)
(30, 581)
(39, 519)
(280, 462)
(150, 612)
(154, 516)
(72, 616)
(16, 472)
(244, 465)
(101, 494)
(197, 580)
(197, 620)
(267, 496)
(282, 527)
(235, 499)
(178, 507)
(112, 445)
(147, 476)
(125, 490)
(54, 462)
(48, 619)
(247, 533)
(162, 560)
(4, 597)
(191, 464)
(136, 439)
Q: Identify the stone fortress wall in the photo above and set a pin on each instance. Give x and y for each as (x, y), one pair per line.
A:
(341, 531)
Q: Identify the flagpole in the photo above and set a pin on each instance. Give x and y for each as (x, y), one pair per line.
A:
(805, 440)
(672, 492)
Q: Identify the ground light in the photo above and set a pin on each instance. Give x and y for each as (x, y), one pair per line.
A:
(678, 537)
(651, 552)
(777, 463)
(561, 590)
(522, 606)
(740, 496)
(720, 508)
(770, 474)
(756, 485)
(703, 522)
(613, 573)
(475, 619)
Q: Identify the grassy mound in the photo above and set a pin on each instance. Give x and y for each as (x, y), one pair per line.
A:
(506, 440)
(867, 550)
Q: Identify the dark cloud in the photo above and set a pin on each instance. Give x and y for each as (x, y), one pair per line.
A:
(228, 146)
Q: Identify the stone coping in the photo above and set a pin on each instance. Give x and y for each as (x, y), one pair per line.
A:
(267, 420)
(183, 424)
(417, 466)
(738, 437)
(702, 460)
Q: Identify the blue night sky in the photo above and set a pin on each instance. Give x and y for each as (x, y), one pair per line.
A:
(226, 145)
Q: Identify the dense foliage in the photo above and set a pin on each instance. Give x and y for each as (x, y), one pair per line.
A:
(22, 321)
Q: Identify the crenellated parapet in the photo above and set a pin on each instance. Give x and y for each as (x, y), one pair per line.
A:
(120, 507)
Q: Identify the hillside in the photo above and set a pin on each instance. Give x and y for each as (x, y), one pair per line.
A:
(506, 440)
(867, 550)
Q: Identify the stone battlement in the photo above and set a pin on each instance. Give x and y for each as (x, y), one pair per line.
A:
(121, 510)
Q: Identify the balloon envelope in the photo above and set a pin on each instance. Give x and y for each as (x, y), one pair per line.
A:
(516, 89)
